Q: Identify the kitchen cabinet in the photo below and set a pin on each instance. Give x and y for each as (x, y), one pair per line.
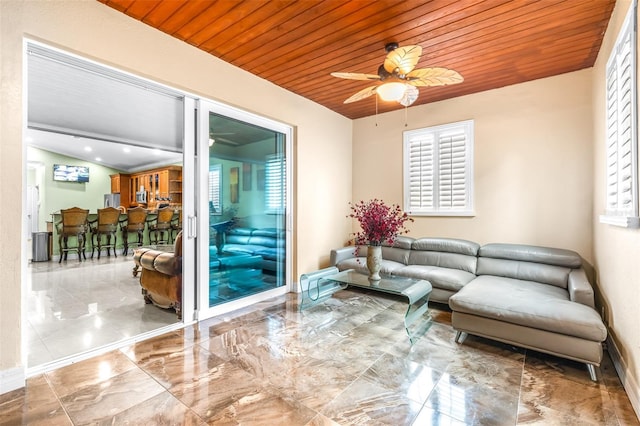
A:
(120, 184)
(161, 186)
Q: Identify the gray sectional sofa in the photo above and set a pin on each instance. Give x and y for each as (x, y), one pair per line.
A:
(528, 296)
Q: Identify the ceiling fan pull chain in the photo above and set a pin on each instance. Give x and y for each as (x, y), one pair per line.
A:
(405, 115)
(376, 110)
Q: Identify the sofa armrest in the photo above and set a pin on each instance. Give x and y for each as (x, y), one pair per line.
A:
(338, 255)
(580, 289)
(159, 261)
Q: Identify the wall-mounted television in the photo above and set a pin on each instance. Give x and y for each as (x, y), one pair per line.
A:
(66, 173)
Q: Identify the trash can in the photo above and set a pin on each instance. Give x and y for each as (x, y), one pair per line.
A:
(40, 247)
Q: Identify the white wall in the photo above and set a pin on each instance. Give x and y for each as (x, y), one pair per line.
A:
(532, 165)
(616, 250)
(322, 169)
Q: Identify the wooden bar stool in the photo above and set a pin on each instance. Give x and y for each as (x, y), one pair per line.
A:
(73, 224)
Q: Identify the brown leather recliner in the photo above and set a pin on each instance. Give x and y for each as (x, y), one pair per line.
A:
(161, 275)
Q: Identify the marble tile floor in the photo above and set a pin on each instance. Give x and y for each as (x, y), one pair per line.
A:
(73, 307)
(346, 361)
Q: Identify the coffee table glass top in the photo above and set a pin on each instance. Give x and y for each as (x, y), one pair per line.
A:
(411, 288)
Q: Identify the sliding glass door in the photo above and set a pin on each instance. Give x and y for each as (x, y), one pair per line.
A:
(244, 208)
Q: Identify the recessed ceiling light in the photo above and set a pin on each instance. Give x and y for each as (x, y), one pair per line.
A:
(126, 149)
(157, 152)
(98, 159)
(88, 148)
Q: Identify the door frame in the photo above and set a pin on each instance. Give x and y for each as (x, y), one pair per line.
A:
(206, 106)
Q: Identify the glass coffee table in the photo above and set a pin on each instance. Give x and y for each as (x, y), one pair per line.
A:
(320, 285)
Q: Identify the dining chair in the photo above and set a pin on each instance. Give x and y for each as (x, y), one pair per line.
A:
(106, 225)
(73, 223)
(176, 224)
(134, 224)
(160, 227)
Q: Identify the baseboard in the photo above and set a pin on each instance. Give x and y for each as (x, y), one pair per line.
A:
(628, 381)
(11, 379)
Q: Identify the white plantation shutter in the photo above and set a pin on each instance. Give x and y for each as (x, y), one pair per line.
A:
(215, 184)
(438, 170)
(274, 187)
(621, 130)
(421, 157)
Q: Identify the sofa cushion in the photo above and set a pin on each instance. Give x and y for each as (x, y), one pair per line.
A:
(528, 271)
(260, 240)
(529, 304)
(453, 261)
(535, 254)
(448, 245)
(241, 248)
(237, 239)
(444, 278)
(270, 253)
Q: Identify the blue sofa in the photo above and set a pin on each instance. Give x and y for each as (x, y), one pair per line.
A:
(268, 243)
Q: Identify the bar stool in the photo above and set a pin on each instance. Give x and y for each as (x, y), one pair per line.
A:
(160, 228)
(134, 224)
(107, 225)
(73, 224)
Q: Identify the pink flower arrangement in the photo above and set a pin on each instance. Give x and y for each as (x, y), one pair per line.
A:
(380, 223)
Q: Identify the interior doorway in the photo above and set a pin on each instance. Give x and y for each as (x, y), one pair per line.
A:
(83, 115)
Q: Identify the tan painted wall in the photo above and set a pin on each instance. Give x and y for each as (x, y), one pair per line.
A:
(322, 147)
(533, 160)
(616, 250)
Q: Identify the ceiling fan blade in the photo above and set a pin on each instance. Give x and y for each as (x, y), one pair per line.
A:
(355, 76)
(410, 95)
(402, 59)
(433, 77)
(364, 93)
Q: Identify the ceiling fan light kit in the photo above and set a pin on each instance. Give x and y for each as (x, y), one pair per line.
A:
(393, 91)
(399, 78)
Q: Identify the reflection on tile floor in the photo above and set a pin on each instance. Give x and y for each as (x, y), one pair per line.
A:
(343, 362)
(76, 306)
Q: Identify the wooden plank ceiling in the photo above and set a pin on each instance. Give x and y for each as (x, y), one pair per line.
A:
(297, 44)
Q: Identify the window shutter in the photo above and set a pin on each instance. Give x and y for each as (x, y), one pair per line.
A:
(274, 183)
(621, 137)
(214, 189)
(452, 170)
(421, 173)
(438, 170)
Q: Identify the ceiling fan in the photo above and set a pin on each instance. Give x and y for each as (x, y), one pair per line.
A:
(400, 81)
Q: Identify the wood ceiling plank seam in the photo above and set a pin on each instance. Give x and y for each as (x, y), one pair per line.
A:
(281, 45)
(455, 54)
(234, 14)
(183, 15)
(260, 29)
(471, 32)
(207, 20)
(288, 31)
(455, 57)
(120, 5)
(325, 45)
(329, 67)
(162, 12)
(139, 10)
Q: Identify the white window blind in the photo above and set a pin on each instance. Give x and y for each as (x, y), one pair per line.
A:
(621, 129)
(215, 185)
(438, 170)
(274, 186)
